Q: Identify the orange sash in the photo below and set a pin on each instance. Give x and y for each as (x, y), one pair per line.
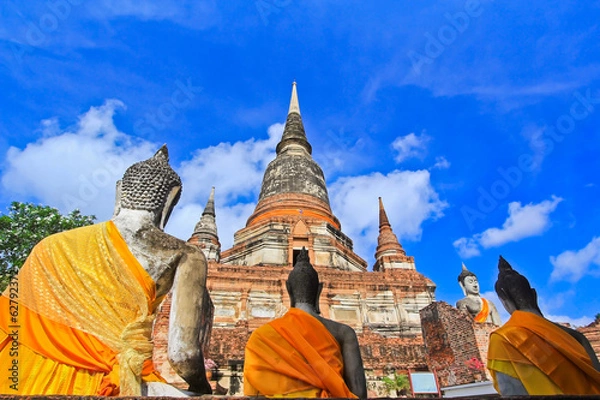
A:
(485, 311)
(294, 355)
(52, 349)
(545, 358)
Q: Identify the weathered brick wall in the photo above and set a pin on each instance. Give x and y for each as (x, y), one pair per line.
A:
(452, 338)
(238, 290)
(482, 338)
(592, 332)
(228, 343)
(380, 353)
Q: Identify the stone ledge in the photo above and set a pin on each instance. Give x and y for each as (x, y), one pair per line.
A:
(210, 397)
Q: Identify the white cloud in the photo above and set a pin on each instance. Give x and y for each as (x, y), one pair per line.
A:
(191, 14)
(466, 247)
(522, 222)
(574, 265)
(408, 197)
(339, 151)
(410, 146)
(229, 220)
(556, 300)
(80, 165)
(50, 127)
(544, 306)
(540, 147)
(552, 302)
(441, 163)
(237, 170)
(234, 169)
(574, 322)
(77, 167)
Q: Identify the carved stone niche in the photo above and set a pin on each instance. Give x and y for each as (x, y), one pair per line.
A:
(265, 305)
(346, 309)
(227, 308)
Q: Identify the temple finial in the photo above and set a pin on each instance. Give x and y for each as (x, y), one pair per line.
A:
(294, 137)
(383, 218)
(294, 104)
(210, 204)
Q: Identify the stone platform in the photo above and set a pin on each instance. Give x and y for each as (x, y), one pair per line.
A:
(210, 397)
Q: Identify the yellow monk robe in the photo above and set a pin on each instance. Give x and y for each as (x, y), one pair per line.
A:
(294, 356)
(77, 320)
(545, 358)
(485, 311)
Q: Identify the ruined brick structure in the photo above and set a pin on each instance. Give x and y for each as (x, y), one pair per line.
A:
(452, 338)
(455, 344)
(377, 306)
(247, 282)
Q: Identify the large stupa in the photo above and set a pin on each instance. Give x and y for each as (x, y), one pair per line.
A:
(247, 281)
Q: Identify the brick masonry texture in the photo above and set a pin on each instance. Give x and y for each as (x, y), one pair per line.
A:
(452, 338)
(384, 345)
(592, 332)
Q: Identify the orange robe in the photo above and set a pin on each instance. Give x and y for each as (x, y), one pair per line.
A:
(485, 311)
(77, 318)
(294, 356)
(545, 358)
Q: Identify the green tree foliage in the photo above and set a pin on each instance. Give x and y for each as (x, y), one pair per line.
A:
(398, 385)
(24, 226)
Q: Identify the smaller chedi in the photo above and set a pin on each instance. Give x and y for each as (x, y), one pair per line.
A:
(303, 354)
(481, 309)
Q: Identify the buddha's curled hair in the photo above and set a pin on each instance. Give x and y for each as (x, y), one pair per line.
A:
(146, 185)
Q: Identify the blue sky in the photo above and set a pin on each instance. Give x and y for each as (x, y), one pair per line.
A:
(476, 121)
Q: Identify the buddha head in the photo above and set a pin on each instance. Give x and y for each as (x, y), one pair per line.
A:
(150, 185)
(303, 284)
(514, 290)
(468, 282)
